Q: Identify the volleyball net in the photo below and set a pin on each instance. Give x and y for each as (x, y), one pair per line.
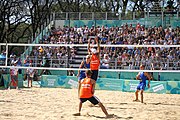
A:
(121, 58)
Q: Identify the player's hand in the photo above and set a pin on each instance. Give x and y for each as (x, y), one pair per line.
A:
(89, 40)
(93, 91)
(148, 85)
(138, 77)
(78, 96)
(78, 75)
(97, 40)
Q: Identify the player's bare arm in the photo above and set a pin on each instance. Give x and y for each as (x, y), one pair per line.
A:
(81, 66)
(89, 49)
(149, 78)
(79, 89)
(98, 46)
(138, 76)
(93, 84)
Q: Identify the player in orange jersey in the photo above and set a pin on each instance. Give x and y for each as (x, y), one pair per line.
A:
(95, 58)
(86, 92)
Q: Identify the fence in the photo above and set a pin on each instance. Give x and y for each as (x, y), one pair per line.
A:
(158, 18)
(112, 16)
(126, 65)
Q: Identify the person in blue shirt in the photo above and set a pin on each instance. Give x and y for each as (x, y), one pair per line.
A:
(84, 64)
(142, 76)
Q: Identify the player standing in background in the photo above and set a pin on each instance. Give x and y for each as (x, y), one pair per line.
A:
(142, 76)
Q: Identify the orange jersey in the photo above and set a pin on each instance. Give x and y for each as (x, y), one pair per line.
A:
(86, 88)
(95, 62)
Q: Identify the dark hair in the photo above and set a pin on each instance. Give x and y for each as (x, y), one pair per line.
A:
(47, 63)
(88, 72)
(143, 65)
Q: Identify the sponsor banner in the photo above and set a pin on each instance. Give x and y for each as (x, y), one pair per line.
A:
(157, 87)
(59, 81)
(6, 79)
(73, 83)
(109, 84)
(130, 85)
(49, 81)
(173, 87)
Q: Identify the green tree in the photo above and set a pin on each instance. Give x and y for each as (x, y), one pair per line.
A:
(13, 21)
(22, 19)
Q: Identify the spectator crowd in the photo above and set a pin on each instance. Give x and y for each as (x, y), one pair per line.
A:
(121, 57)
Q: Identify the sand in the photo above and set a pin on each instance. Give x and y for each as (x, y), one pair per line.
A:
(61, 104)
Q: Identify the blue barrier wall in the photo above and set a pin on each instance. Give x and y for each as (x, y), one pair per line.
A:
(155, 87)
(170, 76)
(59, 81)
(6, 79)
(105, 74)
(173, 87)
(109, 84)
(126, 85)
(169, 85)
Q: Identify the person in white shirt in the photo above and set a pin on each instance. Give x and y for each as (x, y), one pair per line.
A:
(14, 76)
(14, 59)
(106, 62)
(30, 72)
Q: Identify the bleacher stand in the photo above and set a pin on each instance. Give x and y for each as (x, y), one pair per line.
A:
(127, 57)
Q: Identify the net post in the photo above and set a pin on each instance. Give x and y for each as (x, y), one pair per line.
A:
(6, 54)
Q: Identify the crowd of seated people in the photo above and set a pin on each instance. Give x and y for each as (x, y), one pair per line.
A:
(126, 57)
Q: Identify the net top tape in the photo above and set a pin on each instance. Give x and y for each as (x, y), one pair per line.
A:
(85, 45)
(110, 70)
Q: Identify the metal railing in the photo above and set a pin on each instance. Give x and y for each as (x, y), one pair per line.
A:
(157, 65)
(113, 64)
(113, 16)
